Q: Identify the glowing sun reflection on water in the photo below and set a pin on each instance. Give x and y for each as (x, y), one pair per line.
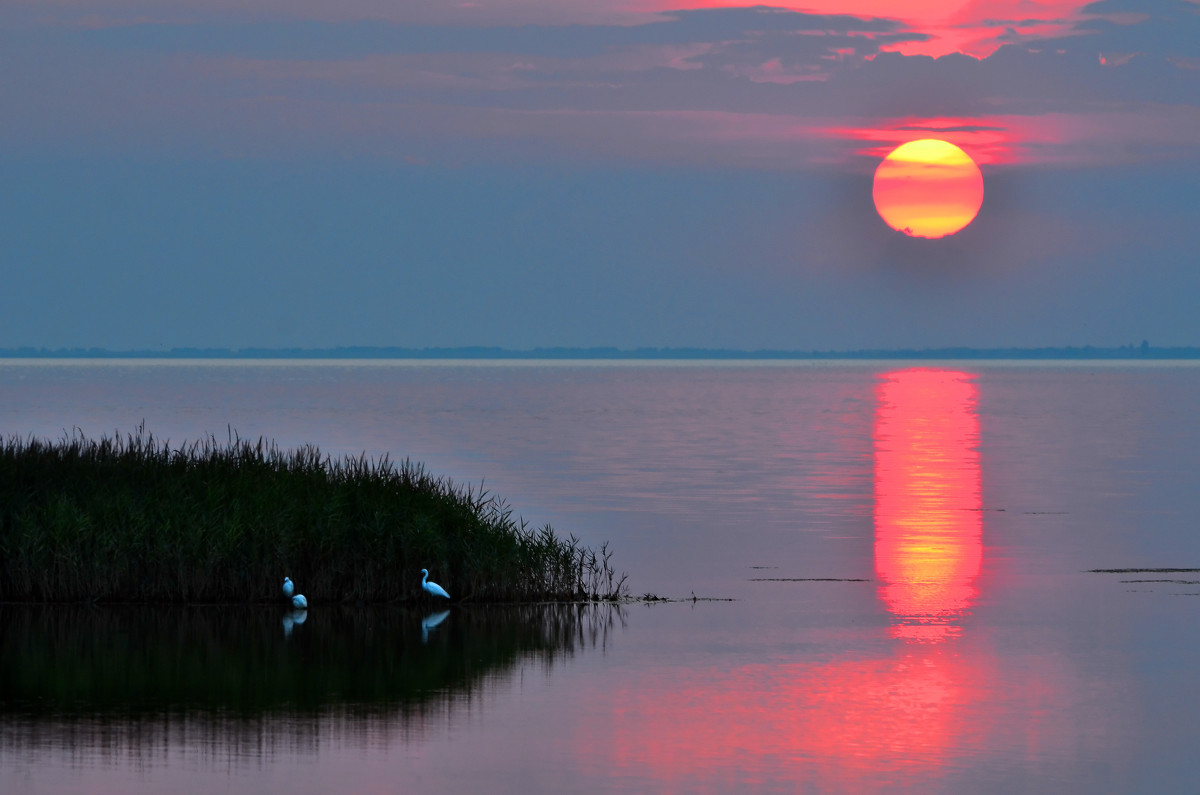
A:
(928, 523)
(860, 718)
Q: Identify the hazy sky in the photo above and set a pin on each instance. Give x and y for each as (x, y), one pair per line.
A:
(623, 173)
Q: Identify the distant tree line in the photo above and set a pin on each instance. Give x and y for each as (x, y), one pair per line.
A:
(1141, 351)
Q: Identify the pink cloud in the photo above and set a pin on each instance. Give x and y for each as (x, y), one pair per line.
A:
(1096, 138)
(977, 28)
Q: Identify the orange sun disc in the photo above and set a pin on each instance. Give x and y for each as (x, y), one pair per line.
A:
(928, 188)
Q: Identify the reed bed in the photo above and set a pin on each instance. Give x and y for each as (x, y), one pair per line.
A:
(133, 519)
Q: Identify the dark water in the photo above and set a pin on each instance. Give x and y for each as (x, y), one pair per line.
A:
(908, 548)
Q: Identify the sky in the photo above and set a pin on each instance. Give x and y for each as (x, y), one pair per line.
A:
(582, 173)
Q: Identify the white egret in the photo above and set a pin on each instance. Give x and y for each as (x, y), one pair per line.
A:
(299, 602)
(430, 622)
(288, 588)
(432, 588)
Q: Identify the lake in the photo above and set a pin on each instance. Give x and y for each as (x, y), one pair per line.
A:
(894, 568)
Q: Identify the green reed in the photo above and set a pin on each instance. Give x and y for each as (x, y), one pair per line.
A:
(134, 519)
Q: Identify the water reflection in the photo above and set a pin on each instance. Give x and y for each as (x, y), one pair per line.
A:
(1039, 679)
(109, 675)
(928, 524)
(431, 622)
(293, 619)
(923, 697)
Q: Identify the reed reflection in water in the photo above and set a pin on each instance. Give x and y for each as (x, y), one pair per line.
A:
(137, 679)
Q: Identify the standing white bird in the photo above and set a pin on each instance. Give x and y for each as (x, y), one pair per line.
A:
(299, 602)
(432, 588)
(288, 588)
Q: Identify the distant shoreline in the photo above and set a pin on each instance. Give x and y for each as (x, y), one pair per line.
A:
(1124, 353)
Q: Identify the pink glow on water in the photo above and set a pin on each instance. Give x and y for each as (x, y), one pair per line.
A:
(928, 520)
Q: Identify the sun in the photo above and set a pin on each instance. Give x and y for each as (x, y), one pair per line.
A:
(928, 188)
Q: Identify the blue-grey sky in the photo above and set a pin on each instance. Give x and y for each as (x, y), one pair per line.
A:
(629, 173)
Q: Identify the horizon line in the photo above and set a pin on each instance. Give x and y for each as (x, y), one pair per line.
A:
(1141, 351)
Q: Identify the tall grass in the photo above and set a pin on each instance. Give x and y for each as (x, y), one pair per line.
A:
(131, 518)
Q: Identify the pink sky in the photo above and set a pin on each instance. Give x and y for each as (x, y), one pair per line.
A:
(697, 81)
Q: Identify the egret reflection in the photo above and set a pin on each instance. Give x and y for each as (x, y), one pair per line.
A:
(293, 619)
(928, 525)
(431, 622)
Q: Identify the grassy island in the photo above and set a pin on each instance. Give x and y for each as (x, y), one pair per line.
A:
(133, 519)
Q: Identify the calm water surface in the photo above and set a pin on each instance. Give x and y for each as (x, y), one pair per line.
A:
(906, 546)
